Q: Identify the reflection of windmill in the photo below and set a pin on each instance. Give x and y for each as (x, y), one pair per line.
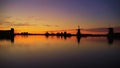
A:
(78, 35)
(110, 40)
(110, 35)
(78, 39)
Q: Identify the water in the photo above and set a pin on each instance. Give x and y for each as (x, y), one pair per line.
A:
(56, 52)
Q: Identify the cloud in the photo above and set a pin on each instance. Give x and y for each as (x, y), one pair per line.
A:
(47, 25)
(2, 27)
(51, 25)
(0, 23)
(97, 30)
(116, 29)
(23, 24)
(56, 26)
(5, 23)
(7, 17)
(2, 20)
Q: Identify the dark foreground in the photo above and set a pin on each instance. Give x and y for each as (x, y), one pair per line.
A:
(59, 52)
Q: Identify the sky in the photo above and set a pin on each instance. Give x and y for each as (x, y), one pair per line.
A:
(36, 16)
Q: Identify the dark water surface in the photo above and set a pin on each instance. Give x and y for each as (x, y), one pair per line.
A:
(56, 52)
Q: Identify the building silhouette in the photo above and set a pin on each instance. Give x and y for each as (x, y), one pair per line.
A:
(110, 32)
(7, 34)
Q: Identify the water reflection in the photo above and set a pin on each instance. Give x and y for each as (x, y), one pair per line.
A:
(10, 38)
(78, 38)
(59, 52)
(110, 40)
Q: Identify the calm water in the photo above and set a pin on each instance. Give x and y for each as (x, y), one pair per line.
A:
(56, 52)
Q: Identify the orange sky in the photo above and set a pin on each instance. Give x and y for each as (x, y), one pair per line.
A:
(35, 16)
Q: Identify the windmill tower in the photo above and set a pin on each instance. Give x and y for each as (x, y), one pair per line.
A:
(78, 31)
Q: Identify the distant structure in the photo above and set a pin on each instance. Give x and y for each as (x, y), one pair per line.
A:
(112, 35)
(110, 32)
(78, 31)
(7, 32)
(65, 33)
(24, 33)
(47, 34)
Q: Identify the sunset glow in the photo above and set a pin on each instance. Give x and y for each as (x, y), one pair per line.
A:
(39, 16)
